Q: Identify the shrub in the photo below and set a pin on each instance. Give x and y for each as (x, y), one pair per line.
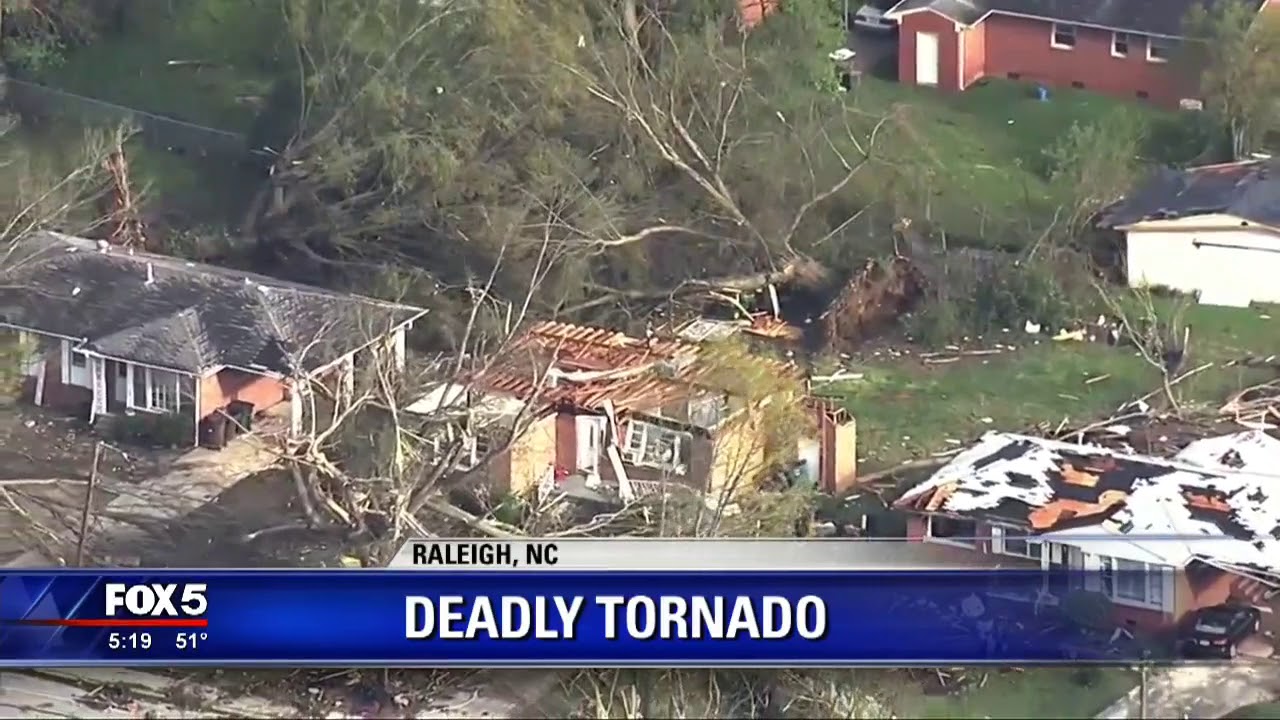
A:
(153, 429)
(1006, 293)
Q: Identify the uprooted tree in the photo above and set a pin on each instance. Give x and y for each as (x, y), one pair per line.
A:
(653, 147)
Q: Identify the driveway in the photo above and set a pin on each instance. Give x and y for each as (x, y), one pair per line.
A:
(1201, 691)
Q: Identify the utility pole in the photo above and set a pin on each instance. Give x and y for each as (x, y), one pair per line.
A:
(1143, 670)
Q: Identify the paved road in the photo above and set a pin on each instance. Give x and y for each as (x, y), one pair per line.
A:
(1201, 691)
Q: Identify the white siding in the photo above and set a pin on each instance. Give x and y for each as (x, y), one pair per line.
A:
(1239, 262)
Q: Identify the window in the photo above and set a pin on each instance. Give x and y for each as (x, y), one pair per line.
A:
(1119, 45)
(157, 390)
(1159, 49)
(1064, 37)
(162, 391)
(1016, 542)
(75, 367)
(1132, 582)
(708, 412)
(656, 446)
(953, 530)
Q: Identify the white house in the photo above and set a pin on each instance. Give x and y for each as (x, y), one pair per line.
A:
(1212, 230)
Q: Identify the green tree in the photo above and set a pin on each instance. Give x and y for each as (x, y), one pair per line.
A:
(1236, 51)
(648, 147)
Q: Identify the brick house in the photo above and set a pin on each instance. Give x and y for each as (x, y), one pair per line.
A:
(115, 332)
(624, 416)
(1158, 537)
(1122, 48)
(753, 12)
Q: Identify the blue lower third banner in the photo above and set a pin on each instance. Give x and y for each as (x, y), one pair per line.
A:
(385, 617)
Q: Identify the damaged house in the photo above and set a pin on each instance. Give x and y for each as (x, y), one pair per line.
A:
(109, 332)
(605, 413)
(1163, 537)
(1211, 230)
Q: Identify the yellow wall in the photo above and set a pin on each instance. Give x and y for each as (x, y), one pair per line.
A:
(739, 454)
(533, 455)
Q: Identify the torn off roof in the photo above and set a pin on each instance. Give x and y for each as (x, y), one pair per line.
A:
(1215, 502)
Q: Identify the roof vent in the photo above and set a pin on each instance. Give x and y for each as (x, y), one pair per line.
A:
(151, 274)
(103, 246)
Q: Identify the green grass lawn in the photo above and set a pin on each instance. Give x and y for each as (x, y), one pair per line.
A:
(202, 62)
(909, 409)
(1034, 692)
(985, 147)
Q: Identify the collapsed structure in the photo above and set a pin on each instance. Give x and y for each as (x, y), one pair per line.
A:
(1165, 536)
(601, 412)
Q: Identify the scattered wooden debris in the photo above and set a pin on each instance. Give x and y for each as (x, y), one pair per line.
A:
(838, 376)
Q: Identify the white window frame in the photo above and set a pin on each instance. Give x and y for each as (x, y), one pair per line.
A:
(1066, 30)
(1000, 539)
(1116, 39)
(1153, 42)
(970, 543)
(638, 438)
(72, 374)
(1110, 568)
(154, 389)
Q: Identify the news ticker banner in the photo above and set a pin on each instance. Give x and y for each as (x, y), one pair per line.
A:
(578, 603)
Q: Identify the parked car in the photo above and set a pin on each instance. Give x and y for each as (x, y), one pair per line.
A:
(1216, 632)
(870, 17)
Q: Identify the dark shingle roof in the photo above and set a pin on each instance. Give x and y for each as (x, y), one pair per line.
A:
(189, 316)
(1149, 17)
(1247, 190)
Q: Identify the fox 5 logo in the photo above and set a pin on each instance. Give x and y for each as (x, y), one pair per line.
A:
(157, 599)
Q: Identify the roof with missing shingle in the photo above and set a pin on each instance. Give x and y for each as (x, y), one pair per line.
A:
(180, 315)
(1217, 501)
(1247, 190)
(562, 363)
(1150, 17)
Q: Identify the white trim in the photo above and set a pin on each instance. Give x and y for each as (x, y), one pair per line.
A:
(64, 362)
(73, 375)
(113, 358)
(149, 388)
(1055, 27)
(1025, 16)
(890, 15)
(972, 544)
(960, 58)
(1128, 43)
(999, 547)
(1153, 59)
(24, 328)
(643, 428)
(1162, 572)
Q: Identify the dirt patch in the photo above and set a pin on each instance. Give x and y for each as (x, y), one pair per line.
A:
(35, 444)
(45, 464)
